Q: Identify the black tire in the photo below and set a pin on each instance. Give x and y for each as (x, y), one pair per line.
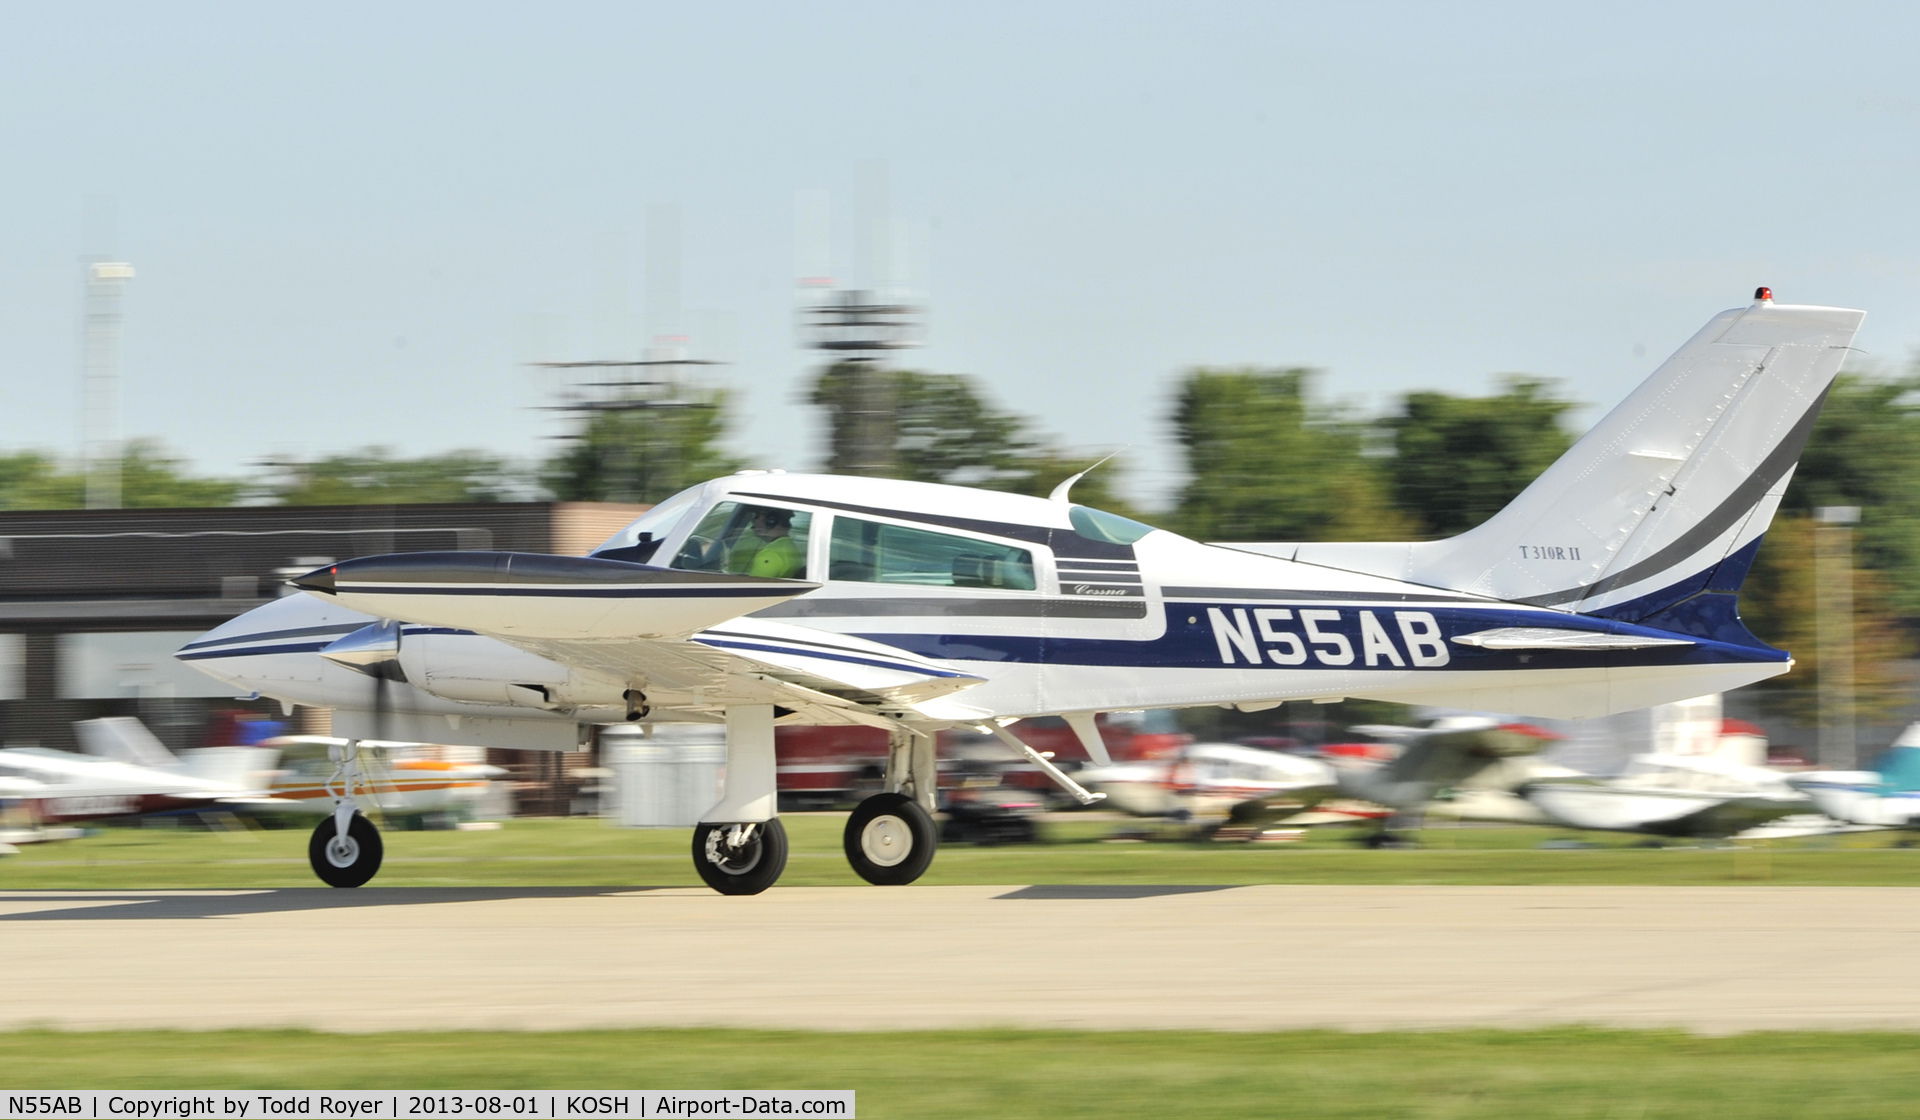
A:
(749, 869)
(890, 840)
(355, 862)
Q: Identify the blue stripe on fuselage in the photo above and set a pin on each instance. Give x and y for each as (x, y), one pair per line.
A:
(1190, 642)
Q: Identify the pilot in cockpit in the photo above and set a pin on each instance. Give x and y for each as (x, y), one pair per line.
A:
(769, 550)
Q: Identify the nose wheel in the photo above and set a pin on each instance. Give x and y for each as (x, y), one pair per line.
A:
(345, 850)
(346, 859)
(740, 858)
(890, 839)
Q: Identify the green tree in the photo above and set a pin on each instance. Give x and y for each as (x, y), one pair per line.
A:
(940, 427)
(1459, 460)
(375, 476)
(1268, 463)
(1865, 452)
(643, 455)
(150, 478)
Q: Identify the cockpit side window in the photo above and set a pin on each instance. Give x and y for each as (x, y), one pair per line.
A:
(753, 540)
(871, 552)
(637, 543)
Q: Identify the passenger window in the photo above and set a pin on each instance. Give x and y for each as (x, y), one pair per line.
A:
(869, 552)
(750, 540)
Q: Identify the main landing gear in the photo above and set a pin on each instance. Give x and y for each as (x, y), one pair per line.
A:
(740, 858)
(740, 847)
(890, 840)
(345, 850)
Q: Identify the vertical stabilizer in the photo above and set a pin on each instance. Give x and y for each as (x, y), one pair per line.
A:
(1667, 497)
(124, 739)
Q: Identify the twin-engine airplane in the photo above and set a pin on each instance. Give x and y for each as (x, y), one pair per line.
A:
(768, 598)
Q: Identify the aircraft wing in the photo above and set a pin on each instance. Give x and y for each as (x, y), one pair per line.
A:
(681, 636)
(1732, 816)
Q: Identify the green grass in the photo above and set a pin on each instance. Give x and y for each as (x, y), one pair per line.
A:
(1570, 1072)
(589, 853)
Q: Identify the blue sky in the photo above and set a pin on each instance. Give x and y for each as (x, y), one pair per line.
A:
(353, 225)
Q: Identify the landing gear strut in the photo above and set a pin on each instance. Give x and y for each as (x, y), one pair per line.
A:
(740, 846)
(890, 839)
(345, 849)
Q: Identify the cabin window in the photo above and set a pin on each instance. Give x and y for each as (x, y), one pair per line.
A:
(751, 540)
(869, 552)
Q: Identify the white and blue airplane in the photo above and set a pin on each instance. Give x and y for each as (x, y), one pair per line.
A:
(767, 598)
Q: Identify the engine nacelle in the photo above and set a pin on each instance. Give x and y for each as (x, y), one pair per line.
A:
(473, 668)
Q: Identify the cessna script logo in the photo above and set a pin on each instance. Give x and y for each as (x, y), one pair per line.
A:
(1288, 637)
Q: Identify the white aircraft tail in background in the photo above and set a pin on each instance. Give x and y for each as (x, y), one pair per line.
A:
(125, 739)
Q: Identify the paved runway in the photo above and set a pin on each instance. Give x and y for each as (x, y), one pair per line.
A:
(1242, 958)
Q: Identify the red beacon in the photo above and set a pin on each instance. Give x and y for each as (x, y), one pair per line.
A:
(1764, 295)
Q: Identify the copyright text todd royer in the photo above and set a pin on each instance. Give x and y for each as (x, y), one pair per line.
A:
(356, 1104)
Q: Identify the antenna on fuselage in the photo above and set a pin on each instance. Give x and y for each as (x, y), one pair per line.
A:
(1059, 493)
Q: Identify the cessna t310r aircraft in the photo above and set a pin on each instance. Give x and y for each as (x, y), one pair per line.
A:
(767, 598)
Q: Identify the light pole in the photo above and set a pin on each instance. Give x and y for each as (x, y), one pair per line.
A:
(1833, 630)
(857, 329)
(101, 348)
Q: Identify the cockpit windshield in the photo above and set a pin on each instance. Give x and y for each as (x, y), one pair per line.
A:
(752, 540)
(637, 543)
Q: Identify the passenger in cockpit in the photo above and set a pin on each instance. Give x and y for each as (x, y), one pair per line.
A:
(768, 550)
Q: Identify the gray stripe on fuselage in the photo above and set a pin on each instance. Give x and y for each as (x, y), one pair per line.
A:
(958, 608)
(1737, 505)
(1242, 594)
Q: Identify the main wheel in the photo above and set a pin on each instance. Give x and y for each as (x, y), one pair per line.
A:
(345, 861)
(740, 858)
(890, 840)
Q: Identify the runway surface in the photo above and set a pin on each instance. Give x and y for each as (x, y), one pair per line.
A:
(1240, 958)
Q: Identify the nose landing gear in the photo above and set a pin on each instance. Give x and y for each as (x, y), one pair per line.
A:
(346, 859)
(345, 850)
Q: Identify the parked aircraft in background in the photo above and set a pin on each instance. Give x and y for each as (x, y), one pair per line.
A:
(1671, 795)
(127, 772)
(399, 787)
(1214, 782)
(1443, 755)
(1887, 796)
(1607, 585)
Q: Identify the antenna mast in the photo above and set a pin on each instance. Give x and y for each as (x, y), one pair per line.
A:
(101, 357)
